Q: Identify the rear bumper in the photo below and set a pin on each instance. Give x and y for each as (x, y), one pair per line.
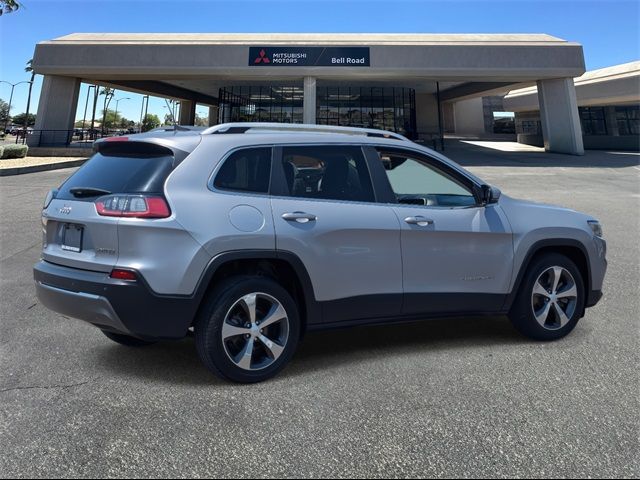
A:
(119, 306)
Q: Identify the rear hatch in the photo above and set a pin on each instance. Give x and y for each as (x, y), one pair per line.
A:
(80, 224)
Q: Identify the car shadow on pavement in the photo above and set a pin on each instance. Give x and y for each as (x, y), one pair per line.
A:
(165, 362)
(328, 349)
(177, 362)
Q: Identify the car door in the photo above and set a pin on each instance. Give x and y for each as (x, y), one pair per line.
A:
(457, 254)
(325, 212)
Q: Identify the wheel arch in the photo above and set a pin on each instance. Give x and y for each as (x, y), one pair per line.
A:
(284, 267)
(572, 249)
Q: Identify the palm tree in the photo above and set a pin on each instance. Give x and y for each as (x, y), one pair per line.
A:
(108, 95)
(8, 6)
(29, 69)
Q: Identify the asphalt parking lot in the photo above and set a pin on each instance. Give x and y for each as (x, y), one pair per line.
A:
(444, 398)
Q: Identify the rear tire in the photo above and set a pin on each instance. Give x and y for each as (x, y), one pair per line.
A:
(248, 329)
(551, 298)
(126, 339)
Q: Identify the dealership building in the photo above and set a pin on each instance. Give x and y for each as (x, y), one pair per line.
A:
(416, 84)
(608, 107)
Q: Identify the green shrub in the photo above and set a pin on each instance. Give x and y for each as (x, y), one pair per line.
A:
(14, 151)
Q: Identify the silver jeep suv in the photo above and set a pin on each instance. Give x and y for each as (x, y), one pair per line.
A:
(250, 235)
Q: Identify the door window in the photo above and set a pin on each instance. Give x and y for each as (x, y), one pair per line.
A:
(416, 182)
(327, 172)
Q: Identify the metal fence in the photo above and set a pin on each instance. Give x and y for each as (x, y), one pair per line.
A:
(84, 139)
(75, 138)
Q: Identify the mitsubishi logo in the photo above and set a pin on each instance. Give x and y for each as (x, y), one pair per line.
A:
(262, 58)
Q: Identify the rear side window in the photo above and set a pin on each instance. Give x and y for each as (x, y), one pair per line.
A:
(119, 173)
(246, 170)
(327, 172)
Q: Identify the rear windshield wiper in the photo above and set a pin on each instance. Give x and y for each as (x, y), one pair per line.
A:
(88, 192)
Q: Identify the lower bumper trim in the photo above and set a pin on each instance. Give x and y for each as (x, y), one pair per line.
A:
(93, 309)
(593, 298)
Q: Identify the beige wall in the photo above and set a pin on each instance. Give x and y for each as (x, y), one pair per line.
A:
(469, 117)
(426, 113)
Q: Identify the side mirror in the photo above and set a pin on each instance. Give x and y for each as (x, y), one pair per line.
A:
(490, 194)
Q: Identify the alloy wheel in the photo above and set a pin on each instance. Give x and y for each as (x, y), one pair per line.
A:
(554, 298)
(255, 331)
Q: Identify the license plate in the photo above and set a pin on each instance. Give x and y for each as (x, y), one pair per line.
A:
(72, 238)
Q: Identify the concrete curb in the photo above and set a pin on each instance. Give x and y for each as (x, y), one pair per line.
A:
(5, 172)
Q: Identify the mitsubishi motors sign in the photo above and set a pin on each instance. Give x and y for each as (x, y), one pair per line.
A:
(309, 56)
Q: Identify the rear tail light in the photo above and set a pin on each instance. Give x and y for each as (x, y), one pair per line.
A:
(135, 206)
(122, 274)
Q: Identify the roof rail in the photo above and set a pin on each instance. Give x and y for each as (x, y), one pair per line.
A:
(244, 127)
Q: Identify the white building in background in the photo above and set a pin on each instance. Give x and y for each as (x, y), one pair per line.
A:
(608, 102)
(408, 83)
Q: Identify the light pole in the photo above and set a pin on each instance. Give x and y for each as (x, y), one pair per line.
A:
(86, 104)
(143, 114)
(125, 98)
(13, 85)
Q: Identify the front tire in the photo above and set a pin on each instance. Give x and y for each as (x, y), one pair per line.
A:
(551, 298)
(248, 329)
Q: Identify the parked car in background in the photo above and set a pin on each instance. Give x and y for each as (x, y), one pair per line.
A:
(22, 132)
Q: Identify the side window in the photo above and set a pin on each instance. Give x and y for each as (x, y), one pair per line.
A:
(327, 172)
(247, 170)
(416, 182)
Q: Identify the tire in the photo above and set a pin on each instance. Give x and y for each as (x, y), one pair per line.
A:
(221, 329)
(539, 315)
(126, 339)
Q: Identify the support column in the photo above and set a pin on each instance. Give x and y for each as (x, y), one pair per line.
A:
(561, 129)
(309, 102)
(213, 116)
(187, 112)
(56, 111)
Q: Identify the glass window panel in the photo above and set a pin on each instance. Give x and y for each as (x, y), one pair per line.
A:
(330, 173)
(246, 170)
(416, 182)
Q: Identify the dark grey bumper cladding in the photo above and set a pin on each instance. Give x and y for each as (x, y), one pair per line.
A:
(131, 308)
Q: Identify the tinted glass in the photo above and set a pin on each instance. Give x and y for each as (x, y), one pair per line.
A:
(247, 170)
(416, 182)
(331, 173)
(121, 173)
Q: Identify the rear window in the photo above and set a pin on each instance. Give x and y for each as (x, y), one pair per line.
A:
(120, 173)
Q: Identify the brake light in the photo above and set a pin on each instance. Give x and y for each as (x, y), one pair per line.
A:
(133, 206)
(116, 139)
(121, 274)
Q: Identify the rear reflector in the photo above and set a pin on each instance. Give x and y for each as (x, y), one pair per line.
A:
(121, 274)
(136, 206)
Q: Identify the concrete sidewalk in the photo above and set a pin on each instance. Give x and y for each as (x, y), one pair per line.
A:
(18, 166)
(511, 154)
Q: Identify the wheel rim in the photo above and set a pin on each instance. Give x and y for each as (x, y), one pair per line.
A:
(255, 331)
(554, 298)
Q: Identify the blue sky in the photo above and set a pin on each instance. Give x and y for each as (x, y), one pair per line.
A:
(608, 29)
